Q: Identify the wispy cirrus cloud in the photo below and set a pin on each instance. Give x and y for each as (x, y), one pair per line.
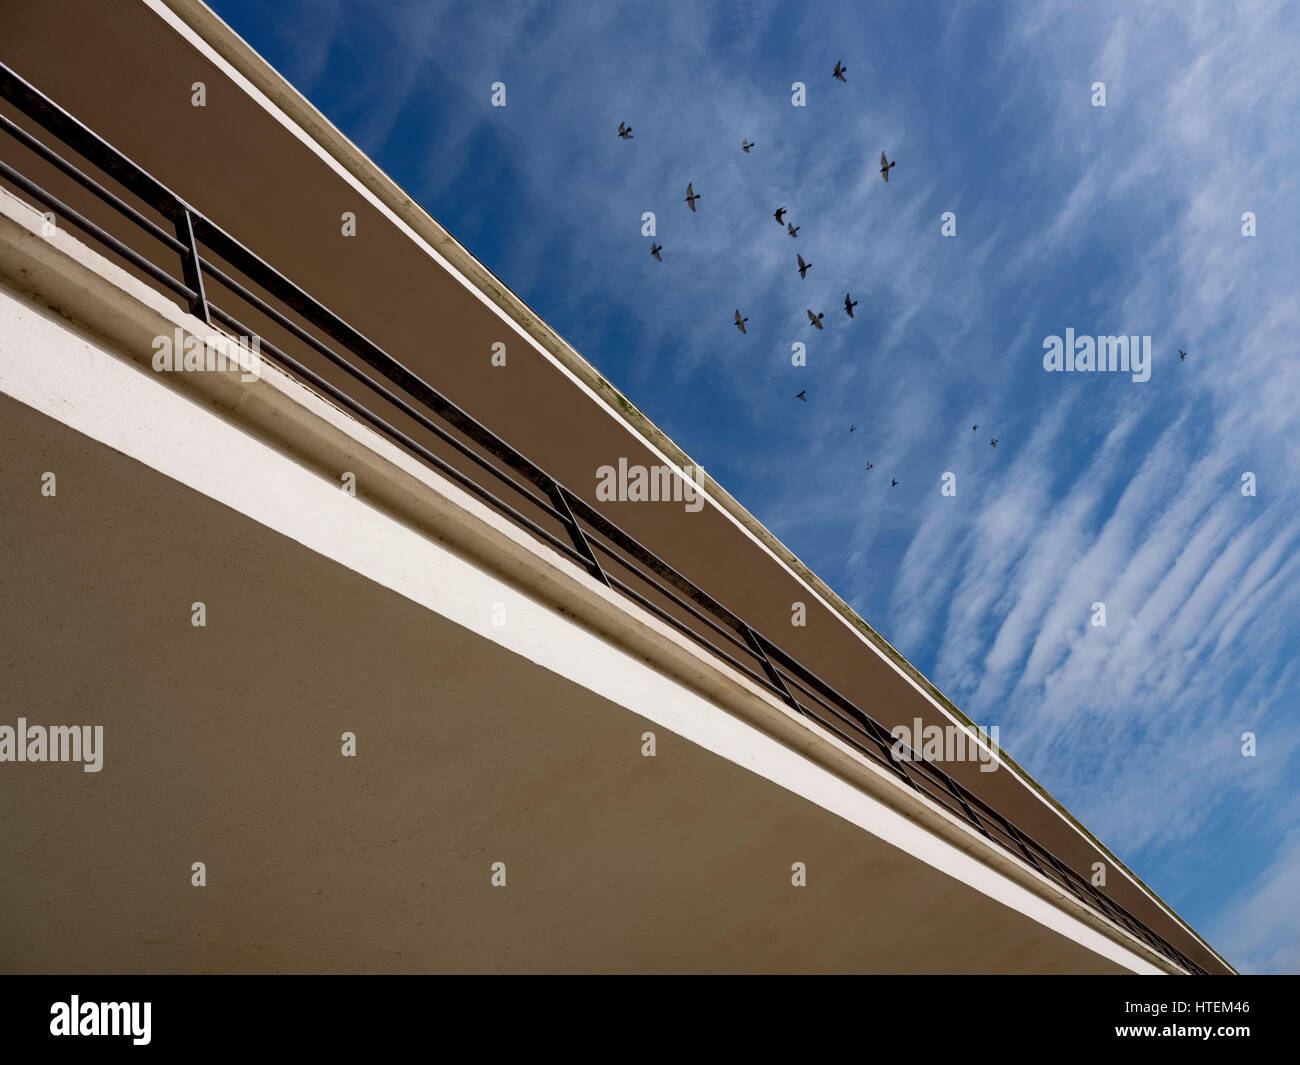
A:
(1138, 726)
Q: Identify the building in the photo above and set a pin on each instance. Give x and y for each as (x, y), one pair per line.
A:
(372, 659)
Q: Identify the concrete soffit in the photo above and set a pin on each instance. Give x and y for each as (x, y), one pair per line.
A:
(100, 299)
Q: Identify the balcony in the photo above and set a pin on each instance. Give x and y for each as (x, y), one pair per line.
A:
(503, 513)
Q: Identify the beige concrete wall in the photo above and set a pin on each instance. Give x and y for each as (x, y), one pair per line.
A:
(325, 615)
(222, 745)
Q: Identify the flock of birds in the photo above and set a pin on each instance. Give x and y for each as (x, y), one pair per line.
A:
(802, 265)
(814, 318)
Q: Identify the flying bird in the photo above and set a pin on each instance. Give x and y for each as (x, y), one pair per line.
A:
(993, 442)
(869, 466)
(655, 249)
(691, 196)
(852, 427)
(840, 68)
(893, 483)
(740, 323)
(816, 319)
(779, 215)
(745, 145)
(802, 396)
(625, 131)
(803, 266)
(849, 304)
(975, 428)
(885, 166)
(792, 229)
(1182, 355)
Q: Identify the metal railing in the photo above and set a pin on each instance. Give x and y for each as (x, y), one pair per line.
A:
(629, 567)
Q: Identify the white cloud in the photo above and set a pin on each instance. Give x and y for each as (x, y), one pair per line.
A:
(1261, 927)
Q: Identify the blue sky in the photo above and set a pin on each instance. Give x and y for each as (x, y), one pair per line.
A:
(1117, 220)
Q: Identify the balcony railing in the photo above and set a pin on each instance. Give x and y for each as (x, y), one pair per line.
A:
(473, 456)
